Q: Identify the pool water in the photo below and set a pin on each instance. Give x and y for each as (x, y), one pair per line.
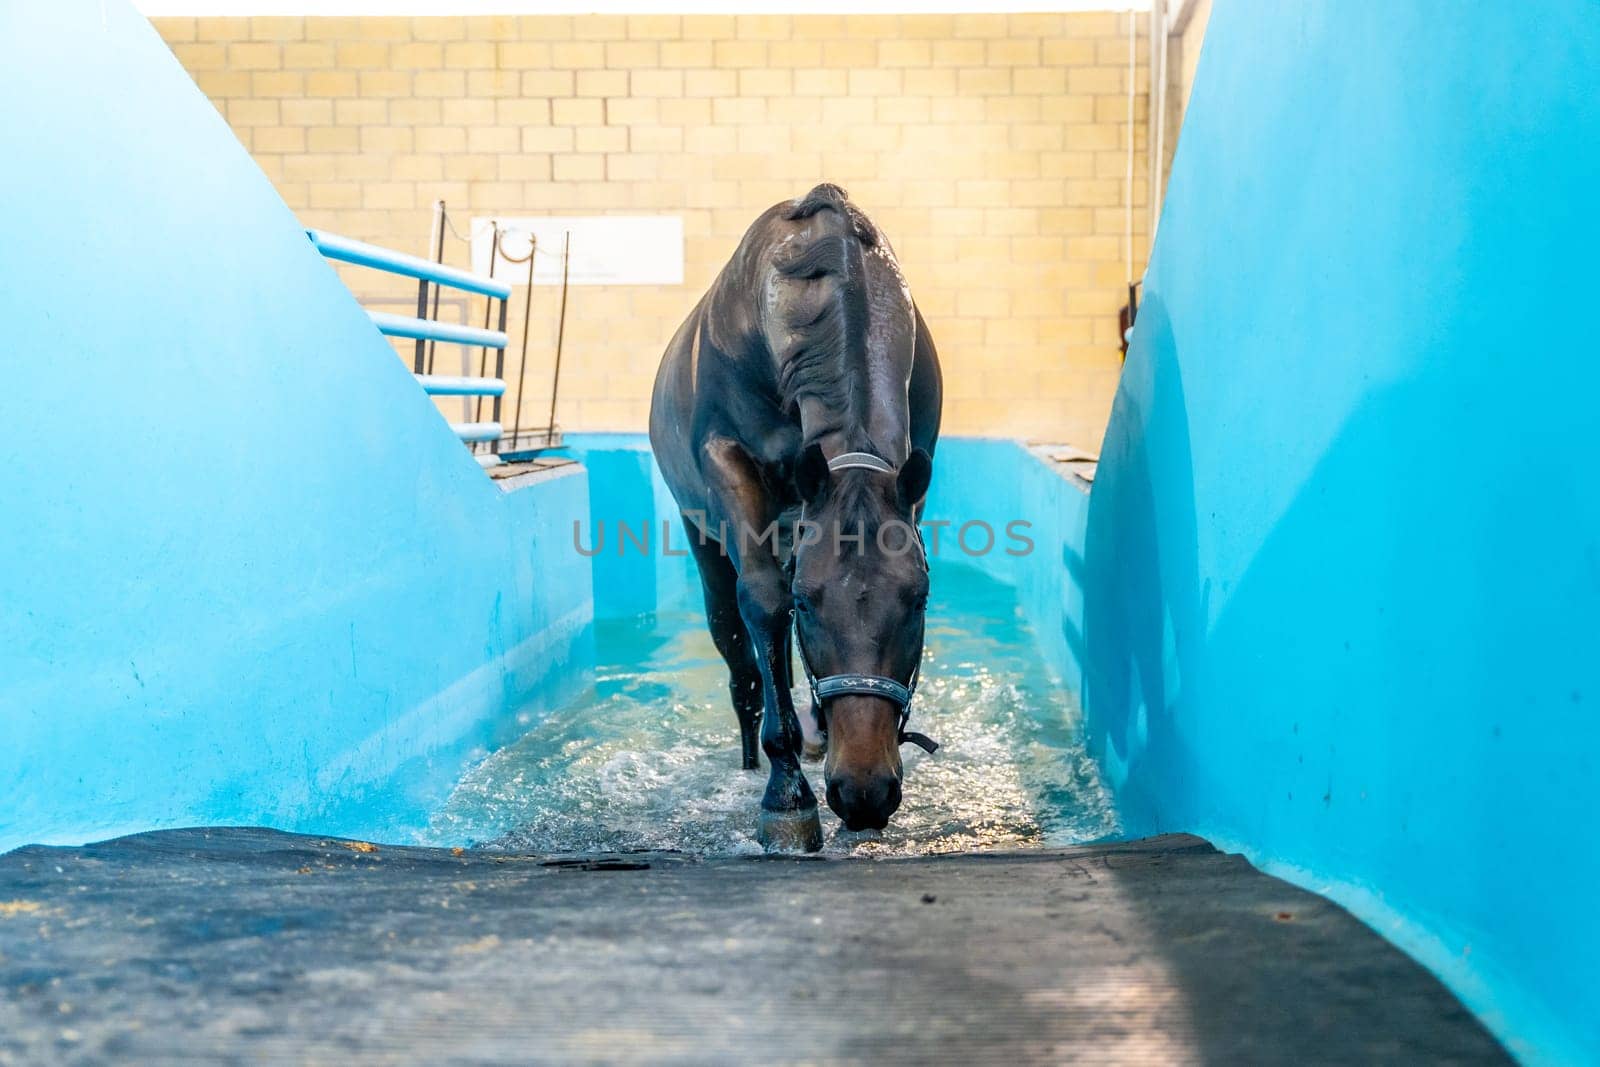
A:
(649, 758)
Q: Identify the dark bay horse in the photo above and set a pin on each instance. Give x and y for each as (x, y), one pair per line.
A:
(802, 394)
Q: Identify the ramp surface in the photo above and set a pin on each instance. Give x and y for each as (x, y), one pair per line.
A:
(243, 943)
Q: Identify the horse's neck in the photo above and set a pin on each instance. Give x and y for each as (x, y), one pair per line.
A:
(880, 423)
(876, 417)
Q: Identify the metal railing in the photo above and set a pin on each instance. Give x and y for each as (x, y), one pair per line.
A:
(490, 439)
(518, 440)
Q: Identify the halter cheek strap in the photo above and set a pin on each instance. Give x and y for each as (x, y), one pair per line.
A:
(872, 685)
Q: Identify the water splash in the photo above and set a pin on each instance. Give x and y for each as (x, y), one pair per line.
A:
(650, 758)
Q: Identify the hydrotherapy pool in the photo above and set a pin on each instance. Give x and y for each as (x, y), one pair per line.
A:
(628, 741)
(647, 757)
(1327, 626)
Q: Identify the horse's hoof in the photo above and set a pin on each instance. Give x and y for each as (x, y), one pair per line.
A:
(813, 752)
(790, 831)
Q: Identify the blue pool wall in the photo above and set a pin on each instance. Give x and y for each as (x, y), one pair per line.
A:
(249, 575)
(988, 482)
(995, 483)
(1344, 548)
(627, 490)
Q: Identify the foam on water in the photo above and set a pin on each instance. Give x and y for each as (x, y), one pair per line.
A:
(649, 759)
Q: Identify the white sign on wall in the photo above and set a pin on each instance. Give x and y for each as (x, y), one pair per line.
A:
(606, 249)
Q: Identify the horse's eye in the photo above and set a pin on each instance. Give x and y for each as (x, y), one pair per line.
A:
(802, 605)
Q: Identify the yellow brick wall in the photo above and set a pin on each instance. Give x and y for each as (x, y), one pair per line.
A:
(991, 149)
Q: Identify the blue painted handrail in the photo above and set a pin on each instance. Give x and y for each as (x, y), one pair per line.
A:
(362, 254)
(477, 431)
(423, 330)
(448, 385)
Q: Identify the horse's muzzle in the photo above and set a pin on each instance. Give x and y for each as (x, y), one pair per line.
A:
(864, 803)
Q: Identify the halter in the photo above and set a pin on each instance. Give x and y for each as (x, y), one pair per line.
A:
(871, 685)
(863, 460)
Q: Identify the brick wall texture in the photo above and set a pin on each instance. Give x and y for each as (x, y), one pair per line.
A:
(992, 149)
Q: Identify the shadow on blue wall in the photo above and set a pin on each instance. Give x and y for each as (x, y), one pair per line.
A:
(1143, 613)
(1343, 560)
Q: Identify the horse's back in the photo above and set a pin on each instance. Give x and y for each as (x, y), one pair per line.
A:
(672, 412)
(726, 372)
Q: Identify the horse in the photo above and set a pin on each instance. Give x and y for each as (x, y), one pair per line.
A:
(802, 395)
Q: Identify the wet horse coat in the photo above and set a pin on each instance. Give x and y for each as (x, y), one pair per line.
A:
(805, 385)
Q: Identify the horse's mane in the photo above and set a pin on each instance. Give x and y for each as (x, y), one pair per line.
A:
(829, 318)
(830, 196)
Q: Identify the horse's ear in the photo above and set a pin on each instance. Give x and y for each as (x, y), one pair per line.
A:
(915, 474)
(811, 473)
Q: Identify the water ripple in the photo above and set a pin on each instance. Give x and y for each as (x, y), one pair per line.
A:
(649, 758)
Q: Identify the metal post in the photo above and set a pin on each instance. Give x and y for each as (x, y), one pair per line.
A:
(561, 334)
(436, 239)
(442, 219)
(422, 309)
(527, 328)
(499, 370)
(488, 306)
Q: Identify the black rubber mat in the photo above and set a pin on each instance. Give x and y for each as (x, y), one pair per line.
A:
(245, 944)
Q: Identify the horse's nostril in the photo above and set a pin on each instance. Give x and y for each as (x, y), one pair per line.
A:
(864, 805)
(836, 799)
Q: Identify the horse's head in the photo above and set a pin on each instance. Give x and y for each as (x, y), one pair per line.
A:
(860, 589)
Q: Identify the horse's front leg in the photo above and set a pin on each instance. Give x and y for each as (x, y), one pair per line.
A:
(741, 494)
(789, 808)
